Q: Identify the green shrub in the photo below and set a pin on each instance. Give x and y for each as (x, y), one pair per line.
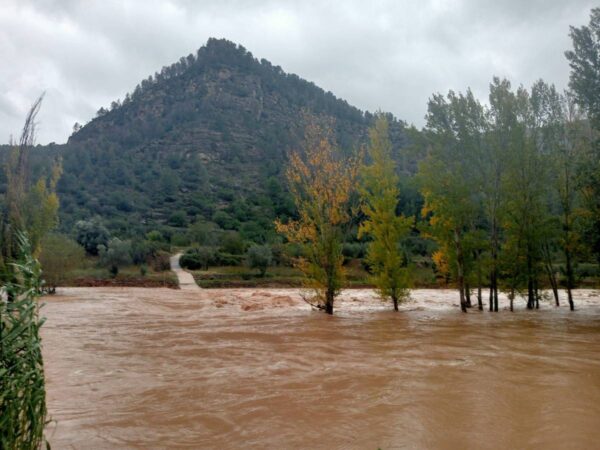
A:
(114, 255)
(227, 259)
(180, 240)
(232, 243)
(225, 221)
(259, 257)
(160, 261)
(91, 234)
(203, 233)
(58, 257)
(178, 219)
(155, 236)
(198, 258)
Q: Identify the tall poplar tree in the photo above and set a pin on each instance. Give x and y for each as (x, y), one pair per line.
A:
(380, 194)
(450, 201)
(322, 182)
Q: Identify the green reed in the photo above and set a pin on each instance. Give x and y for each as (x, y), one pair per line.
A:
(22, 386)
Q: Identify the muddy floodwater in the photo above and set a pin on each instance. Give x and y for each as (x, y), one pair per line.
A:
(158, 368)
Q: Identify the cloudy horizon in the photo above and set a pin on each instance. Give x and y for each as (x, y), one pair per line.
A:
(392, 56)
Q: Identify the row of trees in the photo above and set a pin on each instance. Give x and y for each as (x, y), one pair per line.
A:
(503, 188)
(503, 193)
(323, 183)
(509, 191)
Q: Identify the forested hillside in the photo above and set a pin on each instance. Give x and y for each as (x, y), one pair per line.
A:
(202, 141)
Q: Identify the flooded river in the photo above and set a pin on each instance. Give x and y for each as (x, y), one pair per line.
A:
(157, 368)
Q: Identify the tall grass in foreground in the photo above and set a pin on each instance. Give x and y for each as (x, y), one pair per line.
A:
(22, 387)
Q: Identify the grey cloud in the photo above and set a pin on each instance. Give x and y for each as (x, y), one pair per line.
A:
(384, 54)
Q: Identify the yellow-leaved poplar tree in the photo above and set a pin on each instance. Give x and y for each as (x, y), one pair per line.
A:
(322, 182)
(41, 208)
(380, 193)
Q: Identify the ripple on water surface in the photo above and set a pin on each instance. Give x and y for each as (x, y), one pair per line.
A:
(140, 368)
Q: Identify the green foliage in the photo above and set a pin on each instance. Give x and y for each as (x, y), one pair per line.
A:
(225, 221)
(203, 233)
(115, 254)
(59, 255)
(231, 242)
(585, 71)
(22, 383)
(380, 194)
(354, 250)
(91, 235)
(160, 261)
(584, 81)
(199, 258)
(155, 236)
(447, 184)
(41, 209)
(259, 257)
(151, 252)
(178, 219)
(180, 240)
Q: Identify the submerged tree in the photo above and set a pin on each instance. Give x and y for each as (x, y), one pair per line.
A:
(450, 200)
(380, 194)
(322, 181)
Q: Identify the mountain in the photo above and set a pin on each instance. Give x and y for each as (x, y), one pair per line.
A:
(203, 140)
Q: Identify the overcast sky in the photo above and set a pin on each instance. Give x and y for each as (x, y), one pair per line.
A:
(389, 55)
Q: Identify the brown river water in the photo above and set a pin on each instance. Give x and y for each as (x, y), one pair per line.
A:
(241, 368)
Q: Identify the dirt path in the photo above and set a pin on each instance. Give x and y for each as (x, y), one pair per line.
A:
(186, 280)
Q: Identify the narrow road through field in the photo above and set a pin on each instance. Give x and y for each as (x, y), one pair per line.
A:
(186, 280)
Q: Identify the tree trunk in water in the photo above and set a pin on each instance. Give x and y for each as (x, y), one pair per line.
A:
(468, 295)
(495, 294)
(536, 292)
(550, 273)
(567, 243)
(460, 270)
(530, 295)
(570, 279)
(554, 285)
(571, 303)
(495, 246)
(329, 301)
(479, 298)
(511, 297)
(395, 299)
(463, 303)
(491, 300)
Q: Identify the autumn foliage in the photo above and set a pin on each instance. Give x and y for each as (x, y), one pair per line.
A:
(322, 182)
